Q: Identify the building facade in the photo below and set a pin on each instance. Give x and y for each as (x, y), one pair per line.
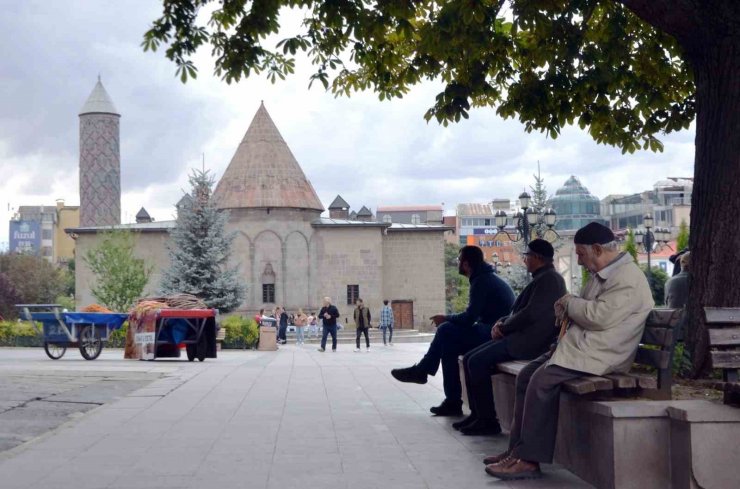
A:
(575, 206)
(39, 230)
(411, 214)
(288, 254)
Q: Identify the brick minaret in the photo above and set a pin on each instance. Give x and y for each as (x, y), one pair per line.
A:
(100, 161)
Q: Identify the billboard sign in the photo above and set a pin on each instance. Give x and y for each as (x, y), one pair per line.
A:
(25, 237)
(486, 231)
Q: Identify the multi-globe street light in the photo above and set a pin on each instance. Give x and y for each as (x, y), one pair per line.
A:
(527, 219)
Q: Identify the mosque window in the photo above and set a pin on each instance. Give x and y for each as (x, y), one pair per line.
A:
(387, 218)
(353, 293)
(415, 219)
(268, 293)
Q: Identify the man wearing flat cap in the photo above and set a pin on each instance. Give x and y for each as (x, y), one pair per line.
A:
(526, 333)
(605, 327)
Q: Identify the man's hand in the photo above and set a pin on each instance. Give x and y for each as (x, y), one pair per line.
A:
(438, 319)
(496, 333)
(561, 306)
(327, 315)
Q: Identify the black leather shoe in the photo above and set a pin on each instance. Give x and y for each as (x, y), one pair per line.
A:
(481, 427)
(461, 424)
(448, 408)
(411, 374)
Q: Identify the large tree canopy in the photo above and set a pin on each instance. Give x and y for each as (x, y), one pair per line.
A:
(549, 62)
(625, 70)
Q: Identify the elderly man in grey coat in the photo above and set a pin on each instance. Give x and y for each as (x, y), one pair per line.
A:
(605, 327)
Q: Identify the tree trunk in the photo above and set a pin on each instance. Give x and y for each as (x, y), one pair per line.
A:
(715, 205)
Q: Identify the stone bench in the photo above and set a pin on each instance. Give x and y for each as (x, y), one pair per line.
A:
(604, 438)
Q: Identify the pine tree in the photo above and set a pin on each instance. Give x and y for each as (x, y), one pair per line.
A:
(540, 203)
(199, 251)
(630, 245)
(682, 240)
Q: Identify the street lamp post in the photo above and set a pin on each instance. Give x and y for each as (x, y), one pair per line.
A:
(651, 239)
(526, 219)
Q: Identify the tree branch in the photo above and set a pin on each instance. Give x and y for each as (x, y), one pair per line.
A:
(675, 17)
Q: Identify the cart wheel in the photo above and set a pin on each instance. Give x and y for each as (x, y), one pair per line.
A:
(190, 350)
(55, 351)
(90, 343)
(201, 357)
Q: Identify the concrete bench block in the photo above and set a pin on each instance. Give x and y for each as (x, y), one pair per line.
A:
(704, 449)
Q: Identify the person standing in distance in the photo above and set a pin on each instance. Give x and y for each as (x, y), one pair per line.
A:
(362, 324)
(329, 314)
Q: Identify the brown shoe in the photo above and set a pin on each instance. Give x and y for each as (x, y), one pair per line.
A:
(494, 459)
(519, 469)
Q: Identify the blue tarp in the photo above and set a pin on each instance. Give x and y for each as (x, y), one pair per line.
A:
(113, 320)
(173, 330)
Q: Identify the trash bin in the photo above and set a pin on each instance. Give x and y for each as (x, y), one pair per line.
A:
(268, 338)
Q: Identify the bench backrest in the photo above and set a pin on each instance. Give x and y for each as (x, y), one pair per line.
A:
(723, 324)
(657, 345)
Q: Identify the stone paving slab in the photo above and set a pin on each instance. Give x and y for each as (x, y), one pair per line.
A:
(291, 418)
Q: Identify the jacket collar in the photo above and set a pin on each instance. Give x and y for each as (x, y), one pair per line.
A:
(543, 269)
(484, 268)
(621, 260)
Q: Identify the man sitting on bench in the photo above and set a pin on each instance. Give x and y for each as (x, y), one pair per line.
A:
(490, 299)
(524, 334)
(605, 327)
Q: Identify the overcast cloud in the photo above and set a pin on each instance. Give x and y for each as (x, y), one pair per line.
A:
(371, 152)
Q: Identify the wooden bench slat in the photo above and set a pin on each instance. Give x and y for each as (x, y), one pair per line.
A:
(663, 317)
(646, 382)
(512, 368)
(654, 358)
(724, 336)
(726, 359)
(722, 315)
(657, 336)
(622, 381)
(588, 384)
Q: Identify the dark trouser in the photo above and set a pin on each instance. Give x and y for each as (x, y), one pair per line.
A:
(361, 331)
(450, 341)
(390, 338)
(536, 406)
(282, 332)
(479, 364)
(326, 330)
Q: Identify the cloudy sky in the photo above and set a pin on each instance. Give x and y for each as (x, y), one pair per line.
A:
(371, 152)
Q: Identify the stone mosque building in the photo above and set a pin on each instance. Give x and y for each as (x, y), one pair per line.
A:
(287, 252)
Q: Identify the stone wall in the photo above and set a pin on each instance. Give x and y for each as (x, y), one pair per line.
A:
(413, 269)
(149, 246)
(349, 256)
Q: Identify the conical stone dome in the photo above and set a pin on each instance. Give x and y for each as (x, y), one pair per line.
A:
(264, 173)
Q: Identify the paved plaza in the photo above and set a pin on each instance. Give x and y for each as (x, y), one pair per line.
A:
(286, 419)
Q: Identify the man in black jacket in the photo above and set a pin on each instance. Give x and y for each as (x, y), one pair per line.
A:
(490, 299)
(329, 314)
(524, 334)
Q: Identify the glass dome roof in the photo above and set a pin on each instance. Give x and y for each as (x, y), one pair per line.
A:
(575, 206)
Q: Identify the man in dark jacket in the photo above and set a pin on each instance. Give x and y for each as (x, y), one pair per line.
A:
(329, 314)
(490, 299)
(524, 334)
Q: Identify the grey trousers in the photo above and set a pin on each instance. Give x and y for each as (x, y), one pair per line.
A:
(536, 407)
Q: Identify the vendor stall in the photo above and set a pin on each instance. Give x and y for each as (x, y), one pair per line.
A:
(160, 332)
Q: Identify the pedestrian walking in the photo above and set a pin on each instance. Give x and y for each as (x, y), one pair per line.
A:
(386, 322)
(362, 324)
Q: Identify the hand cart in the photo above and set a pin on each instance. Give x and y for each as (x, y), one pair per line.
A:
(86, 330)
